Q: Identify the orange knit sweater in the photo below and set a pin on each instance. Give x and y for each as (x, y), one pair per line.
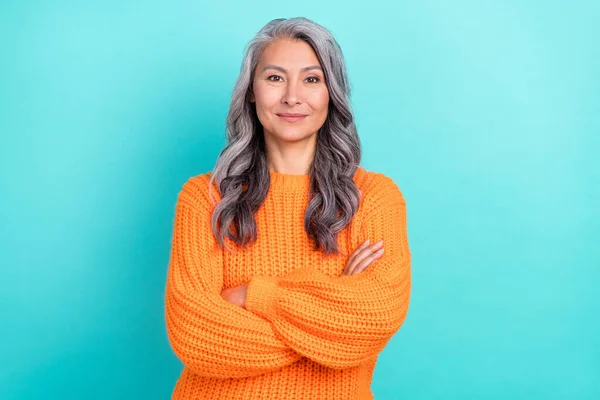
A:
(307, 331)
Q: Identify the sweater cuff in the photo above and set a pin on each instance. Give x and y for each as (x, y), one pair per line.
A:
(261, 296)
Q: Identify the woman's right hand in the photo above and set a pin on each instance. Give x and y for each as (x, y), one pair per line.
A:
(362, 257)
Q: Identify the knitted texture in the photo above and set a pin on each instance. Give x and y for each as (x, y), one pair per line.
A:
(307, 331)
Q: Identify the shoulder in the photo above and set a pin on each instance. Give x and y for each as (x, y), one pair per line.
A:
(377, 189)
(197, 191)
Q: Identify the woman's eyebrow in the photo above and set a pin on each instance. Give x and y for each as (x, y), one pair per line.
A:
(278, 68)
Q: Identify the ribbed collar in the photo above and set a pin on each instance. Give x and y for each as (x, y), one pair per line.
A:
(289, 182)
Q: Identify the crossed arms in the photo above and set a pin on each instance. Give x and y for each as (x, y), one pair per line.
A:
(339, 322)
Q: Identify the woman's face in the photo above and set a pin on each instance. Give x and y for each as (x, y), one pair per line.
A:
(289, 80)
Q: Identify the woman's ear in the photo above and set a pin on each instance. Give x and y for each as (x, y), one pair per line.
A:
(251, 96)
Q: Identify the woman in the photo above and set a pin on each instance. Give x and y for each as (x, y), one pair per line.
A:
(274, 290)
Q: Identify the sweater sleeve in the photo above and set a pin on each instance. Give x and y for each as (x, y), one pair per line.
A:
(343, 321)
(211, 336)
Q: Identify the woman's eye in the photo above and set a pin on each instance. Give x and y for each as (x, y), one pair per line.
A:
(277, 78)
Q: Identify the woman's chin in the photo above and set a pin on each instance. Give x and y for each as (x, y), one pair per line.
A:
(293, 135)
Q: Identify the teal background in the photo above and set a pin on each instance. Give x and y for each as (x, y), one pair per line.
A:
(486, 114)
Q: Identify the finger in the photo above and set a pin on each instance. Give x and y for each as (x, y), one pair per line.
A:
(367, 263)
(369, 260)
(358, 249)
(368, 251)
(360, 256)
(366, 260)
(354, 254)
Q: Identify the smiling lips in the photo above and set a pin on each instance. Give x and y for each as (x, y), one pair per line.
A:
(291, 117)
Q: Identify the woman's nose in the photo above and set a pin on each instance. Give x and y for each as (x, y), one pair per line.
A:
(292, 94)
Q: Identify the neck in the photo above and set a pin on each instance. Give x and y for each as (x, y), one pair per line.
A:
(290, 158)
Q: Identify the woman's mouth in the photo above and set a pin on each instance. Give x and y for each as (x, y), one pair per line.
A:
(289, 117)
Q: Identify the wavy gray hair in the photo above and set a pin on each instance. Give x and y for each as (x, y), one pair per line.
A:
(241, 171)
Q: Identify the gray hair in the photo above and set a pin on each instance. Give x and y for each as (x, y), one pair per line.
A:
(241, 171)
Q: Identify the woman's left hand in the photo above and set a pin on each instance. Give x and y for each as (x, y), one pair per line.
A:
(236, 295)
